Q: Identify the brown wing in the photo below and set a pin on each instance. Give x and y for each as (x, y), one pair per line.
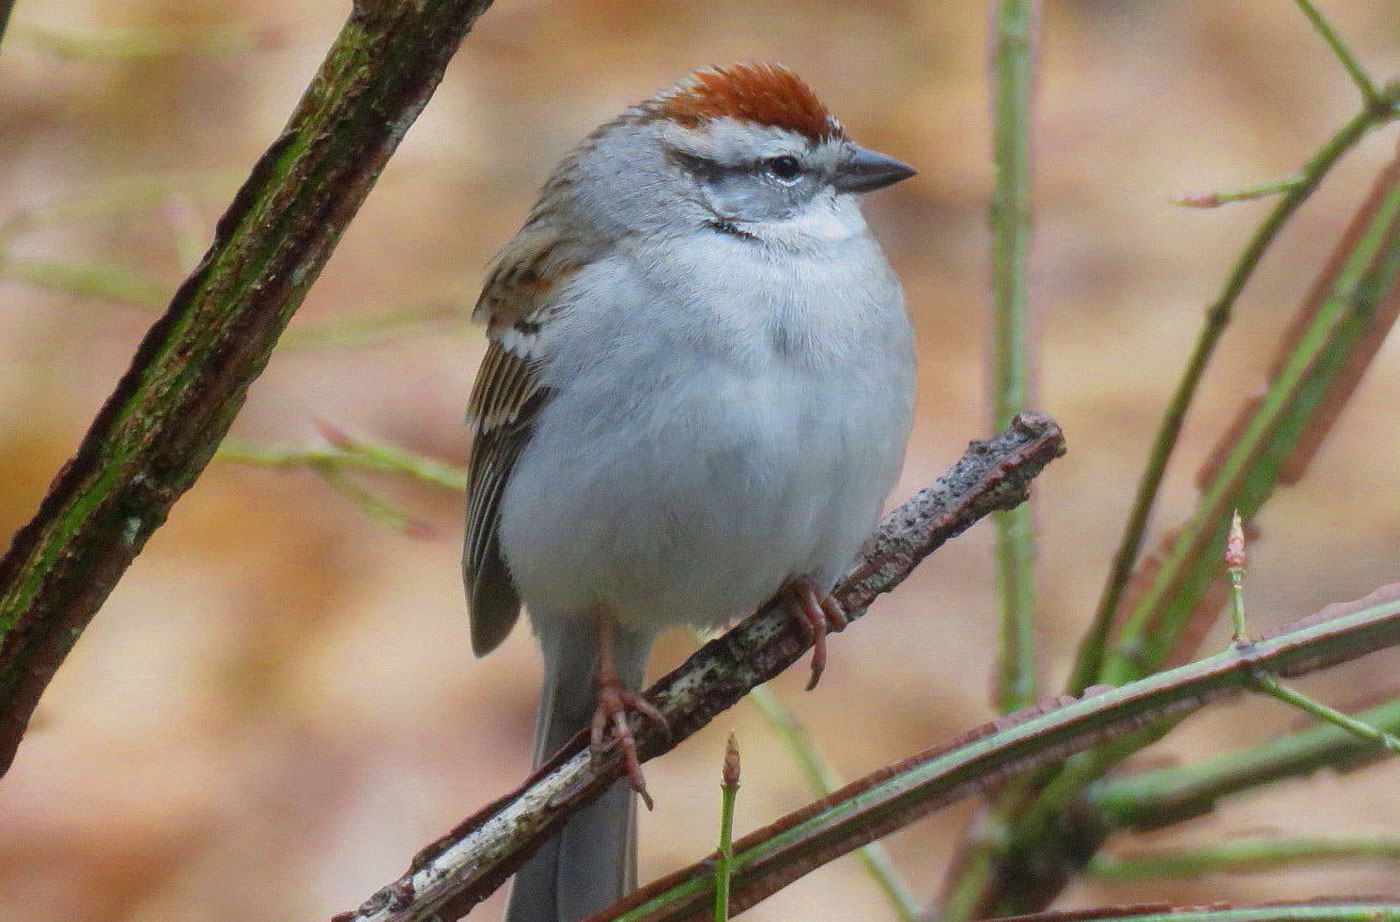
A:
(505, 402)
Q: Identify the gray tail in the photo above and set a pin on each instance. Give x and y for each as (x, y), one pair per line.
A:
(592, 862)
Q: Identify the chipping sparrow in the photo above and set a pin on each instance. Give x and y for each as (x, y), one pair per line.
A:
(696, 395)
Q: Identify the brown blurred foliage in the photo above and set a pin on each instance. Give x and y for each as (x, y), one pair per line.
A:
(278, 704)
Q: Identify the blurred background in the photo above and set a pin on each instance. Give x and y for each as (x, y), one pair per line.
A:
(278, 705)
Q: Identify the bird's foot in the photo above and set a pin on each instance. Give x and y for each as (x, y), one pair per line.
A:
(610, 720)
(819, 614)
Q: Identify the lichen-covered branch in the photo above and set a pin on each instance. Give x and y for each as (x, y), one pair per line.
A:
(188, 379)
(455, 873)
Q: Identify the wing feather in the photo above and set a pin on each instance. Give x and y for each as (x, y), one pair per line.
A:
(505, 401)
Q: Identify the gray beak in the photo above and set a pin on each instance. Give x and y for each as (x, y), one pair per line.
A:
(866, 170)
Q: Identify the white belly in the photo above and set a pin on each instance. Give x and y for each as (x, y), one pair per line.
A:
(673, 479)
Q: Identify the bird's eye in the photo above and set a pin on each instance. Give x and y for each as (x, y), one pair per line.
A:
(785, 168)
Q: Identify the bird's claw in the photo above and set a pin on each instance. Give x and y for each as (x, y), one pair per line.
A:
(819, 614)
(610, 719)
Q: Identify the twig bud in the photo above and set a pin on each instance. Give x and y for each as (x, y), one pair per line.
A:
(730, 773)
(1234, 543)
(1197, 199)
(334, 434)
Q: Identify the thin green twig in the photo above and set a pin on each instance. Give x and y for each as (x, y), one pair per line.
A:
(1165, 796)
(119, 196)
(1089, 661)
(358, 454)
(1241, 855)
(123, 43)
(1249, 193)
(1234, 570)
(371, 504)
(1014, 75)
(879, 803)
(348, 454)
(91, 280)
(342, 331)
(821, 781)
(724, 855)
(1369, 94)
(1234, 564)
(1272, 687)
(1362, 273)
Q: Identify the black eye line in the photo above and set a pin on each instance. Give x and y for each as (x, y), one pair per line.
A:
(729, 228)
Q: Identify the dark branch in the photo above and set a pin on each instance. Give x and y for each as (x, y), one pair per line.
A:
(6, 7)
(188, 379)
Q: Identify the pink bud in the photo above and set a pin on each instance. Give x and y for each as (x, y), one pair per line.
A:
(1197, 199)
(1234, 544)
(730, 773)
(333, 434)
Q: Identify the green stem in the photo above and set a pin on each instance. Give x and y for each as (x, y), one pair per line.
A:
(1025, 871)
(1089, 662)
(1272, 687)
(380, 457)
(1014, 72)
(1236, 576)
(896, 795)
(1249, 193)
(821, 781)
(375, 507)
(140, 42)
(1239, 856)
(1166, 796)
(1362, 274)
(360, 331)
(1369, 93)
(87, 280)
(724, 856)
(1320, 910)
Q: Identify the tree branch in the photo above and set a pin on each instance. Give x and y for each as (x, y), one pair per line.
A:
(189, 376)
(894, 796)
(455, 873)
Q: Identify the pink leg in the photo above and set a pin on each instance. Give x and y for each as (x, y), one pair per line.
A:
(818, 613)
(610, 715)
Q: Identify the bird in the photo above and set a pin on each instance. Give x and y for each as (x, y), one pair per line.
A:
(696, 395)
